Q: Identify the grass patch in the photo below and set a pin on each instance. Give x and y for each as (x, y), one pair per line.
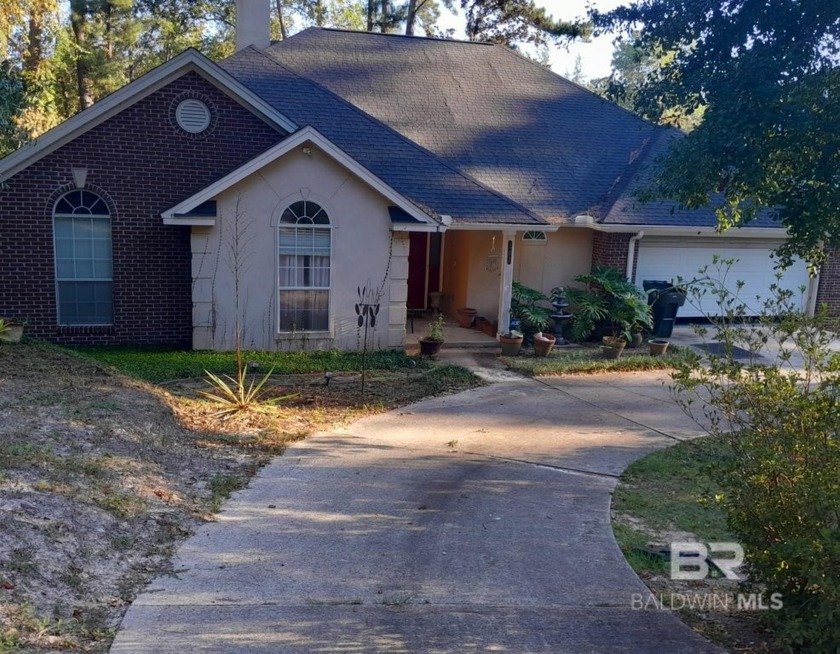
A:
(590, 359)
(222, 486)
(157, 365)
(674, 489)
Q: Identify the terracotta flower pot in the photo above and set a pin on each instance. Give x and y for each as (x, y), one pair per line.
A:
(430, 348)
(658, 346)
(465, 317)
(613, 346)
(543, 344)
(510, 345)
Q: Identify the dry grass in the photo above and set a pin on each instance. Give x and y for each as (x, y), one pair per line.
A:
(101, 476)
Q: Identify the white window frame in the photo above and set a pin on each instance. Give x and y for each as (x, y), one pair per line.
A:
(77, 214)
(530, 237)
(281, 331)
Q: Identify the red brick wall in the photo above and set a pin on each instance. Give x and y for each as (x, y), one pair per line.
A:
(610, 249)
(829, 290)
(142, 164)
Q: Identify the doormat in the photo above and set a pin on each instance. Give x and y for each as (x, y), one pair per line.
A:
(719, 349)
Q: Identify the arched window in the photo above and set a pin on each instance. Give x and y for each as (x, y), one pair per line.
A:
(304, 284)
(83, 260)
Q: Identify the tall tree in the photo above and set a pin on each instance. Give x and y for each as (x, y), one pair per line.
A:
(767, 73)
(516, 21)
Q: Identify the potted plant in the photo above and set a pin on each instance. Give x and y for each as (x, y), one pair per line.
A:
(511, 343)
(11, 330)
(658, 346)
(543, 344)
(430, 345)
(610, 299)
(528, 305)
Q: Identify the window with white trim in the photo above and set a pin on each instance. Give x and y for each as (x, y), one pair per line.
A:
(83, 259)
(534, 237)
(304, 271)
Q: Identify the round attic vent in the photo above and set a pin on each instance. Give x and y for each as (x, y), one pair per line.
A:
(193, 116)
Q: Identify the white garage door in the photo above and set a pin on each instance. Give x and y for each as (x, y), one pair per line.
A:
(668, 259)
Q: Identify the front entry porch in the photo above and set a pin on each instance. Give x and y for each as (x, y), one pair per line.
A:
(453, 335)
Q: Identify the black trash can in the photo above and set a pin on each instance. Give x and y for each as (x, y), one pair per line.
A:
(665, 301)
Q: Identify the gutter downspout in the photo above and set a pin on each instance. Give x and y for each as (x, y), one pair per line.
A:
(631, 254)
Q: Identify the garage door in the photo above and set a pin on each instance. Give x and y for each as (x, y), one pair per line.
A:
(668, 259)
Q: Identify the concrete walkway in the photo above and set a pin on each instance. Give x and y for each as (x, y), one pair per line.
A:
(476, 522)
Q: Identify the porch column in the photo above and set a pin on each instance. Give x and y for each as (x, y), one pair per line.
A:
(506, 280)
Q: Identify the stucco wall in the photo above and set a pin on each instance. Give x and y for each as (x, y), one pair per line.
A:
(361, 241)
(472, 279)
(566, 253)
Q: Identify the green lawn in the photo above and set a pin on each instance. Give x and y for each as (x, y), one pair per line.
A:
(670, 490)
(590, 359)
(157, 365)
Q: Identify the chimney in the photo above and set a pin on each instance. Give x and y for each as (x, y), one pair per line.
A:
(253, 18)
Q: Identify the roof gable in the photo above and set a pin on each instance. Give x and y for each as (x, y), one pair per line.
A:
(433, 185)
(188, 61)
(188, 211)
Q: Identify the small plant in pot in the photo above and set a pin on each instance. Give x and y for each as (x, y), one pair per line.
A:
(430, 345)
(528, 305)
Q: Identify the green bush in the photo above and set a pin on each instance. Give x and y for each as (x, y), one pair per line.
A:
(781, 487)
(608, 297)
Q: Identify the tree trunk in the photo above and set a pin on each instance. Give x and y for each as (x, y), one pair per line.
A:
(281, 19)
(34, 51)
(78, 11)
(371, 10)
(410, 17)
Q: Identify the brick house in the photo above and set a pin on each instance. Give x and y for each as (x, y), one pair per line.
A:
(407, 166)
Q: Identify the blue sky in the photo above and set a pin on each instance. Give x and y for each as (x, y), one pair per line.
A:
(595, 56)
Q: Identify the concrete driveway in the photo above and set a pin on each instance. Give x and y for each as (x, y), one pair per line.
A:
(477, 522)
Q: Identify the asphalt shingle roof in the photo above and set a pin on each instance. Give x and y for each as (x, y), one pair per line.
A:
(627, 210)
(534, 136)
(432, 184)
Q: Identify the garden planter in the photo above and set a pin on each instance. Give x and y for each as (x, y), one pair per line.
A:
(430, 348)
(658, 346)
(613, 346)
(489, 328)
(635, 340)
(543, 344)
(465, 317)
(510, 345)
(12, 334)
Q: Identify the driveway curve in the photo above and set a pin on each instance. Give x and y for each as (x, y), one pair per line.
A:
(476, 522)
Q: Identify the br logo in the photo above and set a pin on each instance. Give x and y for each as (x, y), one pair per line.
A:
(692, 560)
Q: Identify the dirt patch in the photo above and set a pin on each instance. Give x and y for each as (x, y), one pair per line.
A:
(101, 477)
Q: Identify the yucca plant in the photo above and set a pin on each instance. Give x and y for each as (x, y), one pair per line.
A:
(236, 394)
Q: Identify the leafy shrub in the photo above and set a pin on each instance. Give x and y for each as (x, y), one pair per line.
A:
(782, 484)
(528, 305)
(608, 297)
